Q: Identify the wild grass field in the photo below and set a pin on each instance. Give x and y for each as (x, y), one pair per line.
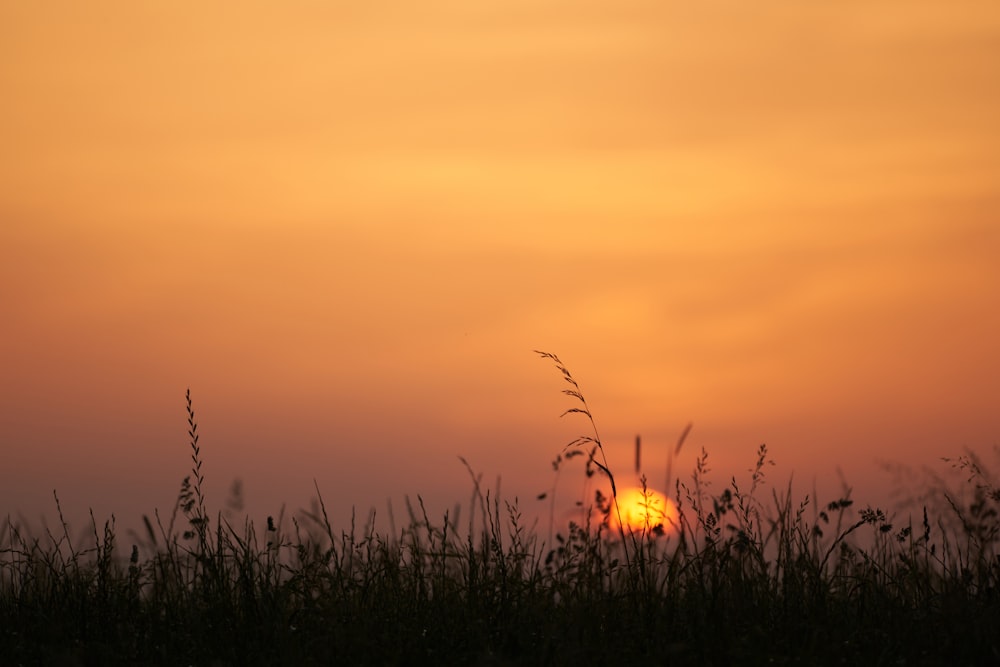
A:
(745, 576)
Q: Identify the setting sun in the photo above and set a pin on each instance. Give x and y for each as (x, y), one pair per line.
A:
(647, 511)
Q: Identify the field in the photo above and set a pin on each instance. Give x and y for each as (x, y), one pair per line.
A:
(743, 576)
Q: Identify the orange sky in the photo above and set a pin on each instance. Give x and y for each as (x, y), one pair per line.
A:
(346, 225)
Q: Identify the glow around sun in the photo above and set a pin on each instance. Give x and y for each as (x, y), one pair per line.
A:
(646, 511)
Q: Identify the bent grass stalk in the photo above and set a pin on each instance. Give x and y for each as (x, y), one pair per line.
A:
(594, 441)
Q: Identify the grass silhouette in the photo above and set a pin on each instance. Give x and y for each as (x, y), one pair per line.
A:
(750, 576)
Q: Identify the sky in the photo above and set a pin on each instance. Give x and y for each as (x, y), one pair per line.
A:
(346, 227)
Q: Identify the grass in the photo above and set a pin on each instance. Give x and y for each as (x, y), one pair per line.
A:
(750, 576)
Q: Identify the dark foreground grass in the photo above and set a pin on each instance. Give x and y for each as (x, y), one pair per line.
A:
(748, 576)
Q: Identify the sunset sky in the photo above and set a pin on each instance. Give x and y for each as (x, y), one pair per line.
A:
(346, 226)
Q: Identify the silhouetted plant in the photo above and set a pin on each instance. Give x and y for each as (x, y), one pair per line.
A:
(749, 576)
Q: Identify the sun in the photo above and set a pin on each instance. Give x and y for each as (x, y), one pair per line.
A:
(646, 511)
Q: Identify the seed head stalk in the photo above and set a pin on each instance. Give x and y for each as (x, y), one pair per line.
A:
(593, 441)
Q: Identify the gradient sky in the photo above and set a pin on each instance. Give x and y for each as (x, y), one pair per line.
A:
(346, 226)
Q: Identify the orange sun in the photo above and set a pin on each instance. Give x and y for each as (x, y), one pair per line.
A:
(646, 511)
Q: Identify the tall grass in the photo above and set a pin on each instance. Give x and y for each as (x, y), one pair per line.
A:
(750, 575)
